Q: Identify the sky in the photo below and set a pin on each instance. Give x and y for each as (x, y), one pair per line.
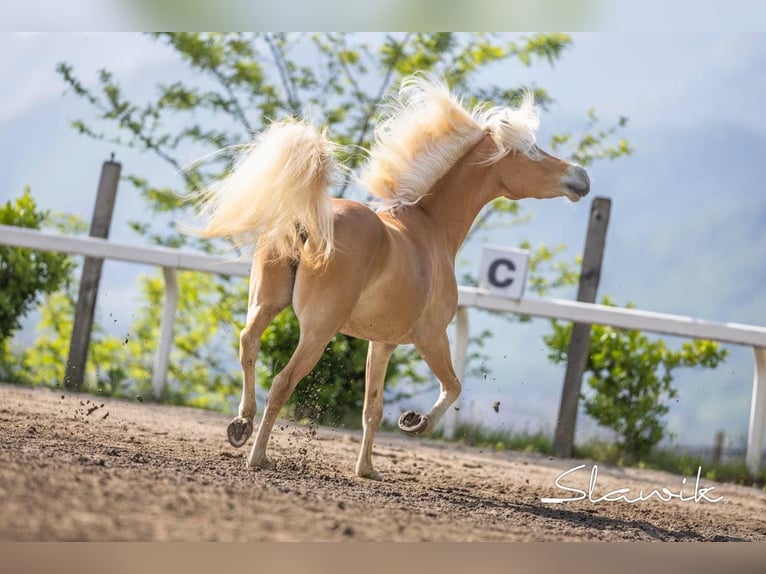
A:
(688, 215)
(342, 15)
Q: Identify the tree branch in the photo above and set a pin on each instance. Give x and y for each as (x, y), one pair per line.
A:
(279, 61)
(239, 112)
(354, 84)
(371, 111)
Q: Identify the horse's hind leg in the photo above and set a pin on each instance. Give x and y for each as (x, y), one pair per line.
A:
(271, 286)
(323, 301)
(308, 352)
(378, 356)
(436, 354)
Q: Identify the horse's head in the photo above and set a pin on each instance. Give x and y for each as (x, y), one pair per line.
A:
(523, 169)
(429, 130)
(538, 174)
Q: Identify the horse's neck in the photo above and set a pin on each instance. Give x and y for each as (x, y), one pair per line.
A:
(454, 202)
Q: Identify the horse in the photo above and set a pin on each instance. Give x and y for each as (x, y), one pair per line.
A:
(383, 272)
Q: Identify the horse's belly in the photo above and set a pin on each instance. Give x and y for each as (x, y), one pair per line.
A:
(383, 319)
(381, 327)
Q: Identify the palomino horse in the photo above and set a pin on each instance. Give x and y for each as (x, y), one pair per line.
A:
(387, 276)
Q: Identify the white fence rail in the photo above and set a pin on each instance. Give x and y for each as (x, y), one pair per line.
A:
(172, 259)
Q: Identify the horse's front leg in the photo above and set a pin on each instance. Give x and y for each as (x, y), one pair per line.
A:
(436, 354)
(378, 355)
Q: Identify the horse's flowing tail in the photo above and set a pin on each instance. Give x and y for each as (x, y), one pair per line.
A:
(276, 197)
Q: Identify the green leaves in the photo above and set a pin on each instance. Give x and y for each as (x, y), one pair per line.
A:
(593, 142)
(547, 46)
(630, 379)
(203, 370)
(25, 274)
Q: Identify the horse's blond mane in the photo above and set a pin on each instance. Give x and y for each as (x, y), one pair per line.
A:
(427, 130)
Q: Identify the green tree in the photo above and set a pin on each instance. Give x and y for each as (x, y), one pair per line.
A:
(200, 370)
(630, 380)
(240, 82)
(25, 274)
(121, 365)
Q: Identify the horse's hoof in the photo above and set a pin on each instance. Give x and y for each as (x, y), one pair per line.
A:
(239, 430)
(260, 463)
(413, 422)
(370, 474)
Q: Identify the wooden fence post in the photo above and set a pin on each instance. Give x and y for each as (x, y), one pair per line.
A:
(91, 276)
(717, 455)
(579, 344)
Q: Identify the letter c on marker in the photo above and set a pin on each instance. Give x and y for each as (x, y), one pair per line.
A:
(493, 278)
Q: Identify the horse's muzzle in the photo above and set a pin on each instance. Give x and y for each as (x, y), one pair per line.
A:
(577, 181)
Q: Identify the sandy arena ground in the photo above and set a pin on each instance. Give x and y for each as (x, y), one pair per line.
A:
(82, 467)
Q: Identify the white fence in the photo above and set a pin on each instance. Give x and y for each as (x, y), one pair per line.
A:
(172, 259)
